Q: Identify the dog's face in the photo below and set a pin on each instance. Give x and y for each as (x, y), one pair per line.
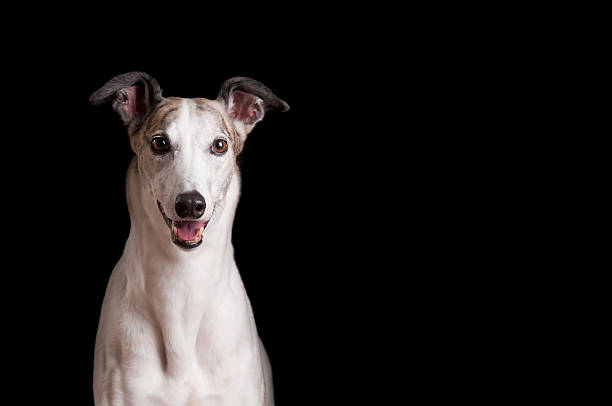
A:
(186, 153)
(186, 148)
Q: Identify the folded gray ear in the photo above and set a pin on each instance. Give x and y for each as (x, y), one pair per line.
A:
(246, 101)
(132, 94)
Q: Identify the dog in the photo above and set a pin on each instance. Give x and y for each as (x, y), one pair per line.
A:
(176, 326)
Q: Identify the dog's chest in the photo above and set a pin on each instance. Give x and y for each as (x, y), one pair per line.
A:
(177, 361)
(211, 374)
(200, 388)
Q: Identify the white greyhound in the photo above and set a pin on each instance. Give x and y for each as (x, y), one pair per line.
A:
(176, 326)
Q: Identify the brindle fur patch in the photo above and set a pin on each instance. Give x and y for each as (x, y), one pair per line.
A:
(167, 111)
(157, 120)
(216, 109)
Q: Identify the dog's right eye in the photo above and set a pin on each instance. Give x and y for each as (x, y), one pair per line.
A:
(160, 144)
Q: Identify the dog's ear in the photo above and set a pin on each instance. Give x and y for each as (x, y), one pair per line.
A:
(246, 101)
(133, 95)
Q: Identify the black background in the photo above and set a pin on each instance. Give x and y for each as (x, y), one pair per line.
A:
(311, 229)
(381, 221)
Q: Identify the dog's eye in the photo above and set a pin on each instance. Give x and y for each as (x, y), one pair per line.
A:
(219, 146)
(160, 144)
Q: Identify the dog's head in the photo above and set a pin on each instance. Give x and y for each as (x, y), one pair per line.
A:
(186, 148)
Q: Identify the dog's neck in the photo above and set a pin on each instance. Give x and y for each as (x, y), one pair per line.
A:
(180, 289)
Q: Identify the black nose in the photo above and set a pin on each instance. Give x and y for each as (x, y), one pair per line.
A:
(190, 205)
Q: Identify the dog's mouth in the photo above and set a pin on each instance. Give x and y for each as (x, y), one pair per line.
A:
(186, 234)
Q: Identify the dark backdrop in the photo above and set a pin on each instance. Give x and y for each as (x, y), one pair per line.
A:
(376, 234)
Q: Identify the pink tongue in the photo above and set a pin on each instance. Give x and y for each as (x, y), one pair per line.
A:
(188, 230)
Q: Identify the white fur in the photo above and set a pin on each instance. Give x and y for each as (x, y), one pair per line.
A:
(176, 326)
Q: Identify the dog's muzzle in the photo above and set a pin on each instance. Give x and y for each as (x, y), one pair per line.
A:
(186, 234)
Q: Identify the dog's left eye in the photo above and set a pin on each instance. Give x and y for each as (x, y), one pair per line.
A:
(219, 146)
